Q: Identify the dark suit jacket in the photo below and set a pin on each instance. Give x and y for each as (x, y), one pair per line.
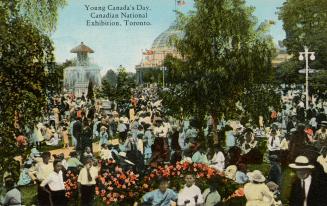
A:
(289, 126)
(316, 196)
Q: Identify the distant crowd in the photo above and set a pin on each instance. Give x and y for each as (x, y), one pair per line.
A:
(140, 136)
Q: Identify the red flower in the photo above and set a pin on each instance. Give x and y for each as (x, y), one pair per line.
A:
(185, 165)
(239, 192)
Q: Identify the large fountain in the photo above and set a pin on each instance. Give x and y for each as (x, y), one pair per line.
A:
(77, 78)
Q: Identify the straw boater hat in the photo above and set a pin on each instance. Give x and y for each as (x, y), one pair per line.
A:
(256, 176)
(103, 127)
(301, 162)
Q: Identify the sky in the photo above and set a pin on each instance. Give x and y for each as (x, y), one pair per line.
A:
(123, 45)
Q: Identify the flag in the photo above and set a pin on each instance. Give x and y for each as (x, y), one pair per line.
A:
(181, 2)
(148, 52)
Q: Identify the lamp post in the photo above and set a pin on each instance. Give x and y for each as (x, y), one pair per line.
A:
(305, 56)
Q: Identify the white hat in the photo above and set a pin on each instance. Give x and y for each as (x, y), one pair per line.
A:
(103, 127)
(301, 162)
(256, 175)
(230, 172)
(293, 130)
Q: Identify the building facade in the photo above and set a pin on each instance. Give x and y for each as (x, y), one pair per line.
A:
(153, 58)
(77, 78)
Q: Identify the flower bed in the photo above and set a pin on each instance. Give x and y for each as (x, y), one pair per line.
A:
(116, 187)
(71, 185)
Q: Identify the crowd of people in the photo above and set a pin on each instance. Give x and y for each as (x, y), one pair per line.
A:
(139, 136)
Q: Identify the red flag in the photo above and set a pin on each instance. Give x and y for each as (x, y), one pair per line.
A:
(148, 52)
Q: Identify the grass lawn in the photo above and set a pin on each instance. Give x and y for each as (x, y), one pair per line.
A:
(28, 194)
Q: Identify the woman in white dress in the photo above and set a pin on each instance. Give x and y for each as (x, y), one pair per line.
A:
(256, 191)
(37, 134)
(218, 160)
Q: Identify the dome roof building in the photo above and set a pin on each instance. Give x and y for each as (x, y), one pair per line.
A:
(152, 59)
(163, 41)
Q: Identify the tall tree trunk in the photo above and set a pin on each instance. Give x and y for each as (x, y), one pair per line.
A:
(214, 117)
(200, 119)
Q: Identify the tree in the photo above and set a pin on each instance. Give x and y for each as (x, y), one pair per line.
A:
(288, 72)
(110, 77)
(55, 76)
(124, 85)
(305, 24)
(122, 90)
(42, 14)
(107, 91)
(90, 93)
(258, 100)
(215, 68)
(25, 53)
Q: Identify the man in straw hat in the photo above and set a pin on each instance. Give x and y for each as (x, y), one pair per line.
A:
(305, 189)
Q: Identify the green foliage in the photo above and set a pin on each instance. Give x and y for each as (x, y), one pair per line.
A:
(318, 84)
(55, 76)
(125, 83)
(110, 77)
(90, 93)
(122, 90)
(223, 52)
(43, 14)
(288, 72)
(106, 91)
(305, 23)
(24, 55)
(257, 100)
(153, 75)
